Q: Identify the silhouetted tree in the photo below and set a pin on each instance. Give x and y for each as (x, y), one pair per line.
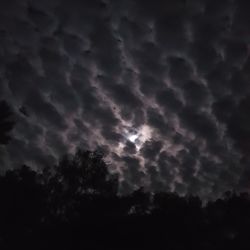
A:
(140, 202)
(86, 172)
(75, 205)
(22, 207)
(78, 183)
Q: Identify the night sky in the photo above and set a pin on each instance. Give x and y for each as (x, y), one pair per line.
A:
(161, 87)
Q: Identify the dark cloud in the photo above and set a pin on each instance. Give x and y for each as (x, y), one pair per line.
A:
(25, 128)
(44, 110)
(162, 87)
(149, 85)
(195, 94)
(166, 166)
(52, 61)
(105, 49)
(199, 122)
(188, 165)
(122, 95)
(238, 124)
(43, 21)
(130, 148)
(169, 101)
(157, 121)
(144, 57)
(151, 149)
(223, 107)
(133, 173)
(156, 180)
(179, 70)
(20, 75)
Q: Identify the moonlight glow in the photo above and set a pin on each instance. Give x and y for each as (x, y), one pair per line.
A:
(133, 137)
(139, 137)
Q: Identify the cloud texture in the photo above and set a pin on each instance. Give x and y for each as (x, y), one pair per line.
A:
(161, 87)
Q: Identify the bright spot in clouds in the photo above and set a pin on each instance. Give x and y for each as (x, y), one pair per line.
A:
(139, 136)
(133, 137)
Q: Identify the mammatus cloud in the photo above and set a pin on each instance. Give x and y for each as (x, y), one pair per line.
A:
(161, 87)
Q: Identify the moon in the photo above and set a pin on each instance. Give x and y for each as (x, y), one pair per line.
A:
(133, 137)
(139, 136)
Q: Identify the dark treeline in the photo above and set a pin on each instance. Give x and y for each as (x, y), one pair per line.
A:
(75, 205)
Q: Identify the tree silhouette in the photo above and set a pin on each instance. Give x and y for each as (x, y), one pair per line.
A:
(78, 183)
(75, 205)
(86, 173)
(6, 122)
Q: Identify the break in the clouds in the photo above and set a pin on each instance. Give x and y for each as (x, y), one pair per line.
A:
(162, 87)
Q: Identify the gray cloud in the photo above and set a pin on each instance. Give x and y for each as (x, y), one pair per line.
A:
(161, 87)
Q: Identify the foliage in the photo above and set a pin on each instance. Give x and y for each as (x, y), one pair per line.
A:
(75, 204)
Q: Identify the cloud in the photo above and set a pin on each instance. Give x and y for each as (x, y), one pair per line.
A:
(151, 149)
(87, 73)
(44, 110)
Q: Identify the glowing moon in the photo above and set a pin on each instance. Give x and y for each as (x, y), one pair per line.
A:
(139, 136)
(133, 137)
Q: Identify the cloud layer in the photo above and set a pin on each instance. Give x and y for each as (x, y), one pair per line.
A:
(171, 75)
